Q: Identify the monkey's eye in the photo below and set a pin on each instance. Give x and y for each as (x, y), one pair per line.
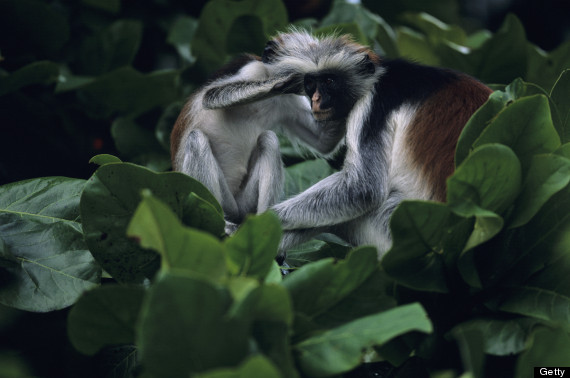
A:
(329, 81)
(309, 84)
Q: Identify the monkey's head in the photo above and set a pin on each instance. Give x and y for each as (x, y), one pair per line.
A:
(336, 71)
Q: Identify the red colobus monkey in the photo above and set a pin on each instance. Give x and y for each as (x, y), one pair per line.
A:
(402, 121)
(224, 135)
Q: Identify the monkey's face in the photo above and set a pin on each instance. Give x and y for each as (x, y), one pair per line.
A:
(329, 95)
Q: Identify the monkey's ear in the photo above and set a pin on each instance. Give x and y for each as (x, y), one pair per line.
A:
(269, 52)
(367, 66)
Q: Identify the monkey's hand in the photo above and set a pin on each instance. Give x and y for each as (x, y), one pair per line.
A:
(230, 228)
(291, 84)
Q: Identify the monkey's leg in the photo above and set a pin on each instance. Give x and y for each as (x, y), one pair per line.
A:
(264, 182)
(200, 163)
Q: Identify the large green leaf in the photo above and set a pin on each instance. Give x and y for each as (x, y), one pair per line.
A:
(105, 316)
(525, 126)
(180, 35)
(547, 175)
(184, 328)
(561, 112)
(139, 145)
(415, 259)
(210, 43)
(43, 256)
(483, 186)
(113, 92)
(316, 249)
(548, 347)
(42, 72)
(371, 25)
(489, 178)
(252, 249)
(341, 349)
(435, 29)
(156, 226)
(478, 122)
(108, 203)
(256, 366)
(502, 58)
(500, 337)
(544, 68)
(546, 295)
(301, 176)
(318, 286)
(113, 47)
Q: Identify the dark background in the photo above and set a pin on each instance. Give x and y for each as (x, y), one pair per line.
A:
(42, 134)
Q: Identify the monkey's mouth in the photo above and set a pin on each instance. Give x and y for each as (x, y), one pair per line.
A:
(322, 115)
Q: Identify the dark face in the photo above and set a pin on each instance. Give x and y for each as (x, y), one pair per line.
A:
(329, 95)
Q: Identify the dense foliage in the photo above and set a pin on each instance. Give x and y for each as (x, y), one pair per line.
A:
(137, 259)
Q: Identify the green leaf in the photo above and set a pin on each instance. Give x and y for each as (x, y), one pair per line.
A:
(156, 226)
(301, 176)
(520, 88)
(489, 178)
(318, 286)
(180, 35)
(527, 249)
(483, 186)
(374, 295)
(273, 304)
(500, 337)
(548, 347)
(370, 24)
(415, 259)
(251, 26)
(414, 46)
(544, 68)
(103, 159)
(471, 347)
(113, 92)
(45, 261)
(525, 126)
(478, 122)
(138, 145)
(252, 249)
(42, 72)
(435, 29)
(112, 47)
(547, 175)
(197, 336)
(561, 111)
(105, 316)
(108, 203)
(273, 340)
(545, 296)
(216, 21)
(314, 250)
(502, 58)
(255, 366)
(203, 214)
(341, 349)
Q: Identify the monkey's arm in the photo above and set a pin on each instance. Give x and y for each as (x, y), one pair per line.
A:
(323, 136)
(334, 200)
(227, 94)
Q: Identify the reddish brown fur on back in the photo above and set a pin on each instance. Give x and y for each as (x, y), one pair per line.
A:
(436, 128)
(182, 122)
